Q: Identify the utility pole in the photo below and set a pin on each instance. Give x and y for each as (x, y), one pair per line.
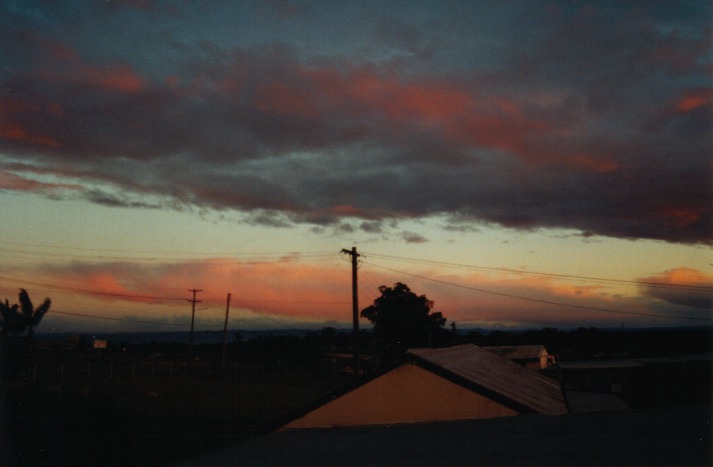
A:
(225, 327)
(355, 307)
(193, 317)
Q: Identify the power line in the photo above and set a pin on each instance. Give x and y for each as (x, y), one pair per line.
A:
(126, 320)
(546, 274)
(307, 302)
(92, 292)
(246, 255)
(257, 318)
(149, 297)
(548, 302)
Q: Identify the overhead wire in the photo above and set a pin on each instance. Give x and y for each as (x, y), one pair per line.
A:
(92, 292)
(545, 274)
(107, 318)
(548, 302)
(362, 261)
(158, 255)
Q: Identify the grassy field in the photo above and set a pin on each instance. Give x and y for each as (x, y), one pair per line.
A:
(149, 418)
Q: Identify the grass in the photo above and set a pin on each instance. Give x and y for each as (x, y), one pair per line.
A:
(150, 419)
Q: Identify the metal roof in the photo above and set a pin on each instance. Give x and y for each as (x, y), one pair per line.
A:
(497, 375)
(514, 352)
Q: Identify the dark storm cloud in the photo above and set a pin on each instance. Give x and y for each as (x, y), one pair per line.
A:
(114, 200)
(596, 119)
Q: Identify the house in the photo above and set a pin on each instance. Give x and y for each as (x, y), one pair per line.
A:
(534, 357)
(464, 382)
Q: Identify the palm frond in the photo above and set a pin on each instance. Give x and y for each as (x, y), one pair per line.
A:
(26, 304)
(40, 312)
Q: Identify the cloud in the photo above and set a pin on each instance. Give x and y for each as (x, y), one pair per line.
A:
(413, 237)
(116, 200)
(681, 286)
(9, 181)
(285, 287)
(601, 124)
(521, 300)
(292, 288)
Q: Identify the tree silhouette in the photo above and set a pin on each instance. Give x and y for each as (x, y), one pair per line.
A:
(402, 320)
(12, 323)
(17, 319)
(31, 315)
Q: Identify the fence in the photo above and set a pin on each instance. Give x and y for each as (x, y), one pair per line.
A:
(46, 372)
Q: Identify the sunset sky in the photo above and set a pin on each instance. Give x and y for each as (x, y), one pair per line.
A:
(521, 163)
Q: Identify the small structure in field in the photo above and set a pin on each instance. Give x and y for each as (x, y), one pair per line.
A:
(535, 357)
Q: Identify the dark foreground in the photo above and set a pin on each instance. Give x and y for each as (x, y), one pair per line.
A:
(150, 405)
(144, 419)
(663, 436)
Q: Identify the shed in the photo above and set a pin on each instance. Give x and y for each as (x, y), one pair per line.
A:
(535, 357)
(456, 383)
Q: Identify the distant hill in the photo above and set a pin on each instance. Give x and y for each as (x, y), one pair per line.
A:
(216, 337)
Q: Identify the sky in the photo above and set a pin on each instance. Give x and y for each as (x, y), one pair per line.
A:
(523, 164)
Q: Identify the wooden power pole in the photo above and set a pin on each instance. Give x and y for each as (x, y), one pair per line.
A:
(193, 317)
(225, 328)
(355, 307)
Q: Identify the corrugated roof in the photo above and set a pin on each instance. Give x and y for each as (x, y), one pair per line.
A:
(513, 352)
(499, 376)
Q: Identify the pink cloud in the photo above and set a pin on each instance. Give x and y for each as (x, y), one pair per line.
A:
(14, 182)
(681, 286)
(448, 109)
(288, 289)
(292, 289)
(16, 111)
(693, 100)
(119, 78)
(58, 61)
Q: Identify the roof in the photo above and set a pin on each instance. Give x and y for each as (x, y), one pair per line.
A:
(495, 376)
(515, 352)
